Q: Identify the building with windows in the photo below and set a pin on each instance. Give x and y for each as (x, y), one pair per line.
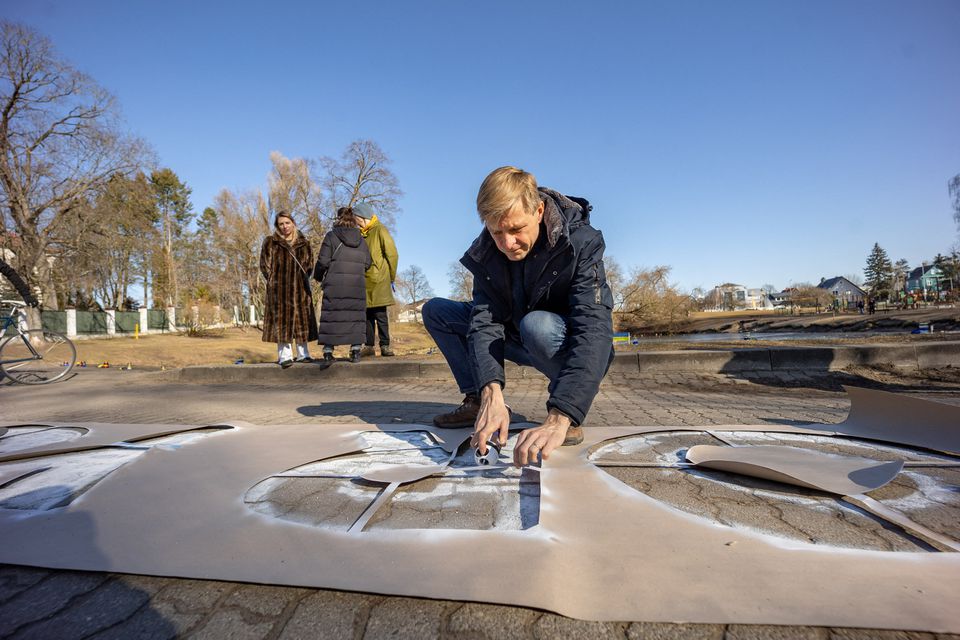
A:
(927, 281)
(847, 293)
(730, 297)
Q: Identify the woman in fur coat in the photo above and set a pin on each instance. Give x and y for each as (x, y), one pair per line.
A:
(288, 315)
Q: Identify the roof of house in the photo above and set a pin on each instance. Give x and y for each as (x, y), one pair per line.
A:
(830, 283)
(915, 274)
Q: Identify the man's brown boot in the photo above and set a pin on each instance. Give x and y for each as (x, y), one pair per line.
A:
(574, 436)
(463, 416)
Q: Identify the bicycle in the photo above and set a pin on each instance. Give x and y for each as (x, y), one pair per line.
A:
(32, 356)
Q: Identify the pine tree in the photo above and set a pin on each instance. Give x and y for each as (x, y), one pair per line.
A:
(175, 213)
(878, 272)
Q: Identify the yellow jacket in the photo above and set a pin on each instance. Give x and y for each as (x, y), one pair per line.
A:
(383, 272)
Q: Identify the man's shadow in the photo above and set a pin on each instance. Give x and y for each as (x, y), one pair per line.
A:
(34, 608)
(386, 411)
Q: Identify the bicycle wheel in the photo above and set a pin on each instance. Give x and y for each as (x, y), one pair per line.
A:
(37, 356)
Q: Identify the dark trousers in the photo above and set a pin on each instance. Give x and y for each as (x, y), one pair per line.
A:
(377, 318)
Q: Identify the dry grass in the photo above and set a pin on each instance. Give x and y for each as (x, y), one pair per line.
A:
(168, 351)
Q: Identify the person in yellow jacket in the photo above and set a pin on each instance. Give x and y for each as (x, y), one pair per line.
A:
(380, 277)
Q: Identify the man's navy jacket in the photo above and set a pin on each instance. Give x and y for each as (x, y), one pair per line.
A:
(563, 274)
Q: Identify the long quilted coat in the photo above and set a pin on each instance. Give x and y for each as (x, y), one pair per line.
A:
(344, 257)
(288, 314)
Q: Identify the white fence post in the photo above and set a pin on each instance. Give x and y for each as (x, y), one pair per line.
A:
(253, 315)
(144, 320)
(111, 322)
(171, 319)
(71, 323)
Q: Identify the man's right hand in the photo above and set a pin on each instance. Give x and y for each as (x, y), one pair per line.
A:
(493, 418)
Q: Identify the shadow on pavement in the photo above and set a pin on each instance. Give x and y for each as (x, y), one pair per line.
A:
(51, 603)
(812, 370)
(380, 411)
(386, 412)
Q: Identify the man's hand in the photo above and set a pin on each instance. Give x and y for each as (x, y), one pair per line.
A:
(541, 440)
(494, 417)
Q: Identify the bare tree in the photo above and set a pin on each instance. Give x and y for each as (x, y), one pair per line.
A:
(291, 187)
(804, 294)
(649, 301)
(413, 288)
(614, 280)
(103, 252)
(461, 282)
(242, 223)
(901, 271)
(362, 175)
(59, 141)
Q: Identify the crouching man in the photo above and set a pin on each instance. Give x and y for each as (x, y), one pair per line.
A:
(540, 299)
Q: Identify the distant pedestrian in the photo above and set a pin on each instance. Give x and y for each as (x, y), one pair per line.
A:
(871, 306)
(860, 306)
(380, 278)
(340, 268)
(288, 316)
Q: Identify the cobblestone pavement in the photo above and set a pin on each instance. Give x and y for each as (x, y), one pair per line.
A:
(40, 603)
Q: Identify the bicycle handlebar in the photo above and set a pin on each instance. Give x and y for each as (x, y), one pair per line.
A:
(14, 303)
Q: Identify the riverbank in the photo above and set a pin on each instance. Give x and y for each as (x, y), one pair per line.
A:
(942, 319)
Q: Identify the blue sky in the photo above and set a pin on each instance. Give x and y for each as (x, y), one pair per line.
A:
(754, 142)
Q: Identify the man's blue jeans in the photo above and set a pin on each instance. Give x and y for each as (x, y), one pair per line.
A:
(541, 336)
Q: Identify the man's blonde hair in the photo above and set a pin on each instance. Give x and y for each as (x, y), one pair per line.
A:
(505, 188)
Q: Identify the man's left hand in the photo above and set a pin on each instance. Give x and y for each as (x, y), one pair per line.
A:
(541, 441)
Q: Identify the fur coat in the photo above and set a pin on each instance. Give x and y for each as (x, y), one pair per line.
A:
(288, 314)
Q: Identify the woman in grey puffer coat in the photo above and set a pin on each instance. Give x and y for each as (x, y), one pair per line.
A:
(343, 260)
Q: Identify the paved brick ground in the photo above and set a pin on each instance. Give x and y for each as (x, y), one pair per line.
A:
(38, 603)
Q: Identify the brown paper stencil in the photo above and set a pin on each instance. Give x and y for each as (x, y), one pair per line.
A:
(840, 475)
(601, 551)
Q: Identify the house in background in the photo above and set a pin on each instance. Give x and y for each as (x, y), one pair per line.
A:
(925, 280)
(846, 292)
(758, 299)
(781, 299)
(411, 312)
(730, 296)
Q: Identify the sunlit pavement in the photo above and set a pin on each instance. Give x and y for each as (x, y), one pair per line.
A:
(42, 603)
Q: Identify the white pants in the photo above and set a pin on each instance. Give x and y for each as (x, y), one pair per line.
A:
(285, 351)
